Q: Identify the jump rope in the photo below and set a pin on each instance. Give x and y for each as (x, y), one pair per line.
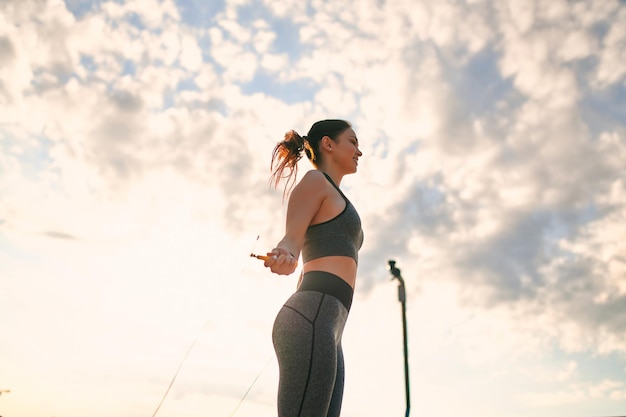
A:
(252, 255)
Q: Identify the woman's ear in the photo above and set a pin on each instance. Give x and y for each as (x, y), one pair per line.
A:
(327, 143)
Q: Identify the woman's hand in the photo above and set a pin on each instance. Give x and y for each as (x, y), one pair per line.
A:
(280, 261)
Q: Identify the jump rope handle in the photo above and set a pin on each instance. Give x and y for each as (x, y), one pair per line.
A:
(263, 257)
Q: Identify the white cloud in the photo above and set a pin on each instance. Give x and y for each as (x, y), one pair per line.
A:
(454, 26)
(578, 44)
(152, 13)
(238, 62)
(263, 40)
(612, 68)
(576, 393)
(551, 399)
(521, 14)
(274, 63)
(292, 9)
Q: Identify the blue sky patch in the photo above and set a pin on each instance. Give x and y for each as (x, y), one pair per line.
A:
(187, 84)
(289, 92)
(604, 110)
(199, 13)
(287, 32)
(128, 67)
(79, 8)
(479, 84)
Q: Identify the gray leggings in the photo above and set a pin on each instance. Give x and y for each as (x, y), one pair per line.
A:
(307, 339)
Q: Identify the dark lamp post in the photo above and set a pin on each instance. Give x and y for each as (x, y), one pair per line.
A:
(402, 298)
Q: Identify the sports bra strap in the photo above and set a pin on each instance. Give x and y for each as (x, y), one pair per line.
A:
(335, 185)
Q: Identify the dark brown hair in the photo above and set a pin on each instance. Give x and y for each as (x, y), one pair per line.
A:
(287, 153)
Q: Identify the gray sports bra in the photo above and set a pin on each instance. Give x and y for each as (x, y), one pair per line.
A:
(340, 236)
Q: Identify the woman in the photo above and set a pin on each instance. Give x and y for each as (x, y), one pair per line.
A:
(324, 225)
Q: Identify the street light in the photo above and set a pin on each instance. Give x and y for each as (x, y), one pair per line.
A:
(402, 298)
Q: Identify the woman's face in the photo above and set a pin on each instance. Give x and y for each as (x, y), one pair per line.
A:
(346, 151)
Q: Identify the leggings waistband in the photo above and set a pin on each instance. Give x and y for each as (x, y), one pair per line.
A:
(328, 283)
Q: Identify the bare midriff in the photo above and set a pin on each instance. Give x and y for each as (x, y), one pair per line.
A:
(342, 266)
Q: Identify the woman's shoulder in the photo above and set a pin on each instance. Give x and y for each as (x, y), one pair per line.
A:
(314, 176)
(312, 181)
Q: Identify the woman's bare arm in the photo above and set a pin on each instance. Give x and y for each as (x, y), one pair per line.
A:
(304, 202)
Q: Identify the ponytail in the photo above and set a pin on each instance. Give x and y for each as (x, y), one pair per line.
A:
(285, 156)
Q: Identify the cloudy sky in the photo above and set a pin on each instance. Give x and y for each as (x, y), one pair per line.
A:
(135, 141)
